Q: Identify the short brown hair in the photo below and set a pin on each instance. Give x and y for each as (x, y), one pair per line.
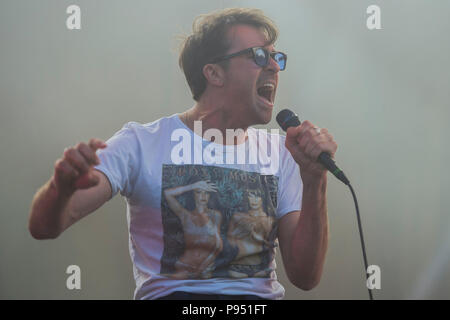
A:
(209, 40)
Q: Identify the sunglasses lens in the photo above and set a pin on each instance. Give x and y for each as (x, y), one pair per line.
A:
(280, 58)
(261, 58)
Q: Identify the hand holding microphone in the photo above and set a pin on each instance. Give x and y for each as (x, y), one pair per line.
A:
(312, 148)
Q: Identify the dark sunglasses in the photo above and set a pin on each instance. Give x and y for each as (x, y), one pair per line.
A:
(260, 56)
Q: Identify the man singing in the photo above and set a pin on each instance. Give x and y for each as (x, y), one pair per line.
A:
(191, 201)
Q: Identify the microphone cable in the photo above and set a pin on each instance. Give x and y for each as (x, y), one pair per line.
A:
(361, 236)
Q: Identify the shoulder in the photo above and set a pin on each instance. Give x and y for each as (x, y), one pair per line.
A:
(155, 126)
(133, 131)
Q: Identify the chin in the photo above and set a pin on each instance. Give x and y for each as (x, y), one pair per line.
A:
(265, 117)
(267, 120)
(259, 114)
(261, 120)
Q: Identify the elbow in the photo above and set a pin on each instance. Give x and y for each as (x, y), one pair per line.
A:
(43, 236)
(39, 234)
(304, 282)
(306, 285)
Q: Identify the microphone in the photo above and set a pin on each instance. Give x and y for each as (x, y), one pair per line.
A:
(286, 119)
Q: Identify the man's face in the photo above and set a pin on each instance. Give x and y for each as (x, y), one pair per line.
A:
(250, 89)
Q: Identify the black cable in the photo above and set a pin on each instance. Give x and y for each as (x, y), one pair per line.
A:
(363, 246)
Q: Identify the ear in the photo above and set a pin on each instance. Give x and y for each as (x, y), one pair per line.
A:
(214, 74)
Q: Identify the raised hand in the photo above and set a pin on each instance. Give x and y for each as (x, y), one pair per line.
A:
(75, 169)
(204, 186)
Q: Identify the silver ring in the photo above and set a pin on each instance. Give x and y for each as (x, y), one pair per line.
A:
(317, 130)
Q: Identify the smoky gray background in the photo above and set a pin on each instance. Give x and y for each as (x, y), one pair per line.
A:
(383, 94)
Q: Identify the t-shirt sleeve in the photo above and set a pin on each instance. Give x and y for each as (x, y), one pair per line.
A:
(120, 160)
(290, 189)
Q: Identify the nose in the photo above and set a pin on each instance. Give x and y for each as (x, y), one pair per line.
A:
(273, 65)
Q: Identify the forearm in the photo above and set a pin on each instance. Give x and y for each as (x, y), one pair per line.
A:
(310, 241)
(46, 214)
(174, 192)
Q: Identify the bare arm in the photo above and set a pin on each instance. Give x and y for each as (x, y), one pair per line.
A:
(74, 191)
(172, 193)
(303, 238)
(172, 201)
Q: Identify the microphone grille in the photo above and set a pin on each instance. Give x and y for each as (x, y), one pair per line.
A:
(286, 118)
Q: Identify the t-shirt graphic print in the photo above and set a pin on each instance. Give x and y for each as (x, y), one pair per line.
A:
(217, 222)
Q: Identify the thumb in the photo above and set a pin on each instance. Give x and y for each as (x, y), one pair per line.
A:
(87, 180)
(291, 137)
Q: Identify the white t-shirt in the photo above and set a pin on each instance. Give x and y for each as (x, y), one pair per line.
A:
(202, 216)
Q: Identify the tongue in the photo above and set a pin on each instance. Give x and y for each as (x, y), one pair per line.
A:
(265, 93)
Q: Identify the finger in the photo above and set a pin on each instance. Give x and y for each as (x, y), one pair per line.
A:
(327, 146)
(304, 140)
(309, 149)
(305, 129)
(306, 125)
(291, 137)
(86, 181)
(64, 171)
(297, 134)
(95, 144)
(315, 150)
(330, 147)
(88, 153)
(311, 134)
(76, 160)
(324, 133)
(323, 140)
(326, 141)
(333, 145)
(202, 184)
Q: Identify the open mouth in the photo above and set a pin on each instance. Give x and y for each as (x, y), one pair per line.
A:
(266, 91)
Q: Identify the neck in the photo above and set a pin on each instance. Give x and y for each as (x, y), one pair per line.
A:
(255, 212)
(200, 209)
(214, 115)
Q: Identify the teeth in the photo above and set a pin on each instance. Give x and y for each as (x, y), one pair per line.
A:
(266, 90)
